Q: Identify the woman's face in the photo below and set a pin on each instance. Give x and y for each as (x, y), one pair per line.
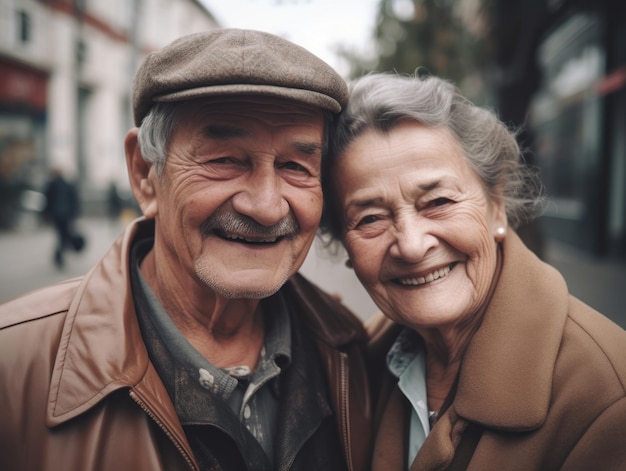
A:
(419, 226)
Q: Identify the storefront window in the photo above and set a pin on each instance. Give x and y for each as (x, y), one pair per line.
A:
(566, 117)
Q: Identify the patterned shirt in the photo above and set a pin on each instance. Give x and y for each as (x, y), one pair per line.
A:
(188, 376)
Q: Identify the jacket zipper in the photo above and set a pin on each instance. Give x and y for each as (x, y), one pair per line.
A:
(162, 426)
(343, 392)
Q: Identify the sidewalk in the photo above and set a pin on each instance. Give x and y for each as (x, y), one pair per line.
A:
(26, 254)
(599, 283)
(26, 261)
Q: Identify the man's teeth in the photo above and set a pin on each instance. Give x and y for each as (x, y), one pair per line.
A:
(245, 239)
(420, 280)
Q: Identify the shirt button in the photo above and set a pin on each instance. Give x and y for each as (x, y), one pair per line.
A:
(206, 379)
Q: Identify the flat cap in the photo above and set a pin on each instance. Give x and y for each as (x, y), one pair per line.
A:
(236, 62)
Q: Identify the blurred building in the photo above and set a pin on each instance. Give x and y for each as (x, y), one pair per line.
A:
(578, 118)
(66, 69)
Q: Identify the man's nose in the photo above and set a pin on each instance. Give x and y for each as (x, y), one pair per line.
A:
(262, 198)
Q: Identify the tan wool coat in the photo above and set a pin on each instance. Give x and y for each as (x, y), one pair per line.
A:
(544, 379)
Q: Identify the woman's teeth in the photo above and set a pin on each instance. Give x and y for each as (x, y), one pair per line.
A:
(420, 280)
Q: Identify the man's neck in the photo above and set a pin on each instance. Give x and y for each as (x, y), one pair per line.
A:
(227, 332)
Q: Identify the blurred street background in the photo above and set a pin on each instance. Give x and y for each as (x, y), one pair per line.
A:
(554, 69)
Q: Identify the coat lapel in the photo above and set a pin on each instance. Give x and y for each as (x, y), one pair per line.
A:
(506, 377)
(389, 449)
(101, 348)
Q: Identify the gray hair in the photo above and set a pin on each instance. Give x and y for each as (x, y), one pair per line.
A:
(155, 133)
(380, 101)
(158, 126)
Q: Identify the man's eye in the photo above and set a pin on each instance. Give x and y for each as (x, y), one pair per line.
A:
(223, 160)
(294, 166)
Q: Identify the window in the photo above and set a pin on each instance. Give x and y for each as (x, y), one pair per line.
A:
(24, 32)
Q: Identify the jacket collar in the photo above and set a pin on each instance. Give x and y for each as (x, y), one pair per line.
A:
(101, 348)
(325, 317)
(506, 376)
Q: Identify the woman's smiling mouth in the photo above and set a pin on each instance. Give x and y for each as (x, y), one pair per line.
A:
(421, 280)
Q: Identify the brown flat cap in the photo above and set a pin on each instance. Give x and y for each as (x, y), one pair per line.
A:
(236, 62)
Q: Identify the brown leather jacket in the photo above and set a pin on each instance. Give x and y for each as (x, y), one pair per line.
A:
(78, 392)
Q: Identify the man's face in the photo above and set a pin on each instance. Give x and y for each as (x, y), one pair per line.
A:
(239, 200)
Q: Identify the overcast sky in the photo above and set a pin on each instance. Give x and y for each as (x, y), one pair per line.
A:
(318, 25)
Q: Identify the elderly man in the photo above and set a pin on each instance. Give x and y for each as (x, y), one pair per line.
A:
(193, 343)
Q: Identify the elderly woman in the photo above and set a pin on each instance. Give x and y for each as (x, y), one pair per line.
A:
(482, 360)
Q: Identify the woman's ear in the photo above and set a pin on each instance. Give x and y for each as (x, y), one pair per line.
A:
(499, 219)
(141, 175)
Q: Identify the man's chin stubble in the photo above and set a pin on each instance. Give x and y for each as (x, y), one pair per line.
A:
(209, 279)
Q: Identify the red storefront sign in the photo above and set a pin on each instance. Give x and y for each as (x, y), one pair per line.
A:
(23, 85)
(612, 82)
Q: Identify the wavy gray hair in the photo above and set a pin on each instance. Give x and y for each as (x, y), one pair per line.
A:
(380, 100)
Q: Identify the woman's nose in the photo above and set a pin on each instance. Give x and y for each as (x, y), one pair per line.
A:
(413, 239)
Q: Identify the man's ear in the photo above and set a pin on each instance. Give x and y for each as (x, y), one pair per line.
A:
(141, 174)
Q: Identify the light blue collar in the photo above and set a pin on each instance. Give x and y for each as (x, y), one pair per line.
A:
(407, 362)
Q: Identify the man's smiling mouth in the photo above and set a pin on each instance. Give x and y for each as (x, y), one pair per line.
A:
(248, 239)
(430, 277)
(231, 226)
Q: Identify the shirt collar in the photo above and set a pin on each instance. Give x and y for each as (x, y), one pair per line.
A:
(403, 351)
(407, 362)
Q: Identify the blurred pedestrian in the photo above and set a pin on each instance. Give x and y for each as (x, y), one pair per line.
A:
(115, 204)
(62, 208)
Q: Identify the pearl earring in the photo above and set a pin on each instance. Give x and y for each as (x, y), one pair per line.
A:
(501, 231)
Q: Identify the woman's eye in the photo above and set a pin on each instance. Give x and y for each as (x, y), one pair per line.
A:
(440, 201)
(367, 220)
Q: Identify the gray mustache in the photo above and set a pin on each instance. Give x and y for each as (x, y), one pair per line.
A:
(229, 221)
